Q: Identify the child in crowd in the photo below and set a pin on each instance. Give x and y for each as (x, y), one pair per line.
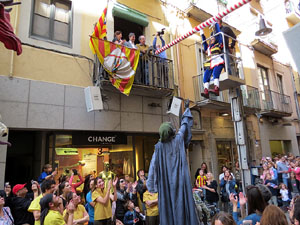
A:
(284, 196)
(47, 173)
(131, 216)
(151, 202)
(200, 205)
(293, 185)
(201, 181)
(271, 184)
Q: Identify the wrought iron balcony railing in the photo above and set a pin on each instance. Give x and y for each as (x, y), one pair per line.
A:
(250, 94)
(274, 102)
(151, 71)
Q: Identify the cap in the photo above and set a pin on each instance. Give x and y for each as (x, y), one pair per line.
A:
(17, 188)
(268, 158)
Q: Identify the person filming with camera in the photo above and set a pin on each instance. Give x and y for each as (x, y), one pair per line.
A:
(156, 47)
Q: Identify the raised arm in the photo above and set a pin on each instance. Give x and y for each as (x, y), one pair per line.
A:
(154, 42)
(219, 38)
(163, 43)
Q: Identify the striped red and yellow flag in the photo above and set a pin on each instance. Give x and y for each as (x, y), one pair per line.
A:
(119, 61)
(100, 29)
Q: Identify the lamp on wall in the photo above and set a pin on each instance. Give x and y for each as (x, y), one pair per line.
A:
(263, 29)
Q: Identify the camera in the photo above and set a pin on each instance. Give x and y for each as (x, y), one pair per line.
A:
(75, 171)
(159, 33)
(141, 216)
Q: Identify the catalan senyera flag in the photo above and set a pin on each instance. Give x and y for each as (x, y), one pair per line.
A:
(100, 28)
(119, 61)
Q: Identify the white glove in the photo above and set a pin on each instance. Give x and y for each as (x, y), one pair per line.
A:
(201, 32)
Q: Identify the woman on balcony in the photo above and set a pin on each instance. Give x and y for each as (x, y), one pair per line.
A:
(214, 63)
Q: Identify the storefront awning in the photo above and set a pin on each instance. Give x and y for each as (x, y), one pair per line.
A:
(129, 14)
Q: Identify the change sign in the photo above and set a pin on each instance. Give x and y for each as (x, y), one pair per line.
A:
(98, 138)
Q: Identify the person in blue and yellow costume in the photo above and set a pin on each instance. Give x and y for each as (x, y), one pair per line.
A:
(214, 63)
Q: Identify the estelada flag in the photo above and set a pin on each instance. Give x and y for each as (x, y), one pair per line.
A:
(119, 61)
(100, 29)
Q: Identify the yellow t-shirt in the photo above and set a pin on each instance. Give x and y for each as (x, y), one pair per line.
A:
(151, 211)
(78, 213)
(35, 206)
(54, 218)
(102, 211)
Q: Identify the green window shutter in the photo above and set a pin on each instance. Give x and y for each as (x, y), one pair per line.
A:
(129, 14)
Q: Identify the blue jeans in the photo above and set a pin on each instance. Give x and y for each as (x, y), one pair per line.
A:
(285, 181)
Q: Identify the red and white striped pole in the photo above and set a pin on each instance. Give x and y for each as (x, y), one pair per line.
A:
(204, 24)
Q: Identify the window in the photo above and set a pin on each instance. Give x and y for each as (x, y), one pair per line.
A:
(280, 84)
(52, 20)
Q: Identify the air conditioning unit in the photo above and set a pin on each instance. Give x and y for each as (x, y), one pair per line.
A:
(93, 98)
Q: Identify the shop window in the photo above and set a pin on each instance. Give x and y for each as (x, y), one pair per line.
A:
(51, 21)
(90, 159)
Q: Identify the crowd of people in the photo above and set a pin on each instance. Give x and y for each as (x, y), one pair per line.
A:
(96, 200)
(90, 200)
(275, 191)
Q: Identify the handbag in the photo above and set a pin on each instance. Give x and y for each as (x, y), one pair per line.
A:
(224, 196)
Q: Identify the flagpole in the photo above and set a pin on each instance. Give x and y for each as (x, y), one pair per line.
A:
(204, 24)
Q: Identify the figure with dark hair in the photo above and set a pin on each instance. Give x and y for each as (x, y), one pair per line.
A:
(47, 173)
(86, 187)
(227, 186)
(101, 196)
(204, 167)
(255, 202)
(51, 211)
(118, 38)
(229, 47)
(141, 183)
(90, 203)
(80, 214)
(223, 218)
(47, 187)
(64, 188)
(169, 174)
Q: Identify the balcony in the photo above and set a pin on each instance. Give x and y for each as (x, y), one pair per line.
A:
(154, 76)
(292, 12)
(265, 47)
(250, 97)
(275, 104)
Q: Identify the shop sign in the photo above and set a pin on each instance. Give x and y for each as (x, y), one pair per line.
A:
(98, 138)
(66, 151)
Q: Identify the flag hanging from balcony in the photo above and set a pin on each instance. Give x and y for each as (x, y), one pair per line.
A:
(100, 29)
(119, 61)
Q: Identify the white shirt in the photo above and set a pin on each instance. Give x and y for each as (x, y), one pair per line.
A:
(284, 194)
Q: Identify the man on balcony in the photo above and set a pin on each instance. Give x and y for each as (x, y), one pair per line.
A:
(143, 63)
(228, 33)
(162, 62)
